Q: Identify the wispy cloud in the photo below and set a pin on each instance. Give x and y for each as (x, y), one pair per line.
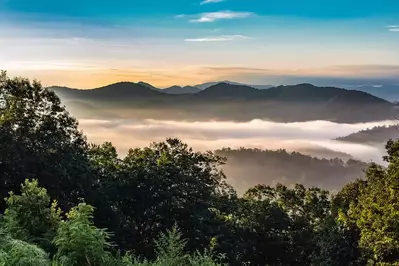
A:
(213, 16)
(222, 38)
(394, 28)
(210, 1)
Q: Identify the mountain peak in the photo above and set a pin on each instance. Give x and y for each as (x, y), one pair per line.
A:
(181, 90)
(226, 90)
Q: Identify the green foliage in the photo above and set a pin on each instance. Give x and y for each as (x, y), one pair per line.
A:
(39, 139)
(377, 214)
(79, 242)
(170, 251)
(154, 188)
(31, 216)
(19, 253)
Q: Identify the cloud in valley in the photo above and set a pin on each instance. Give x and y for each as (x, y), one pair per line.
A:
(303, 136)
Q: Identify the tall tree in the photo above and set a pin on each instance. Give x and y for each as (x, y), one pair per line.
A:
(159, 186)
(31, 216)
(39, 139)
(376, 213)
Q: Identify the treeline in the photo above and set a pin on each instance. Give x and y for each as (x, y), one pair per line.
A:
(375, 135)
(169, 205)
(248, 167)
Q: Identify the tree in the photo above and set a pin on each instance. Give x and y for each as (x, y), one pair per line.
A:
(376, 213)
(31, 216)
(17, 252)
(303, 213)
(79, 242)
(161, 185)
(39, 139)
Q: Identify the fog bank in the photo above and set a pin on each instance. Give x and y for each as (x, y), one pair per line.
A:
(307, 137)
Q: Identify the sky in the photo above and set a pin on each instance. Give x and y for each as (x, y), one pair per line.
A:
(86, 44)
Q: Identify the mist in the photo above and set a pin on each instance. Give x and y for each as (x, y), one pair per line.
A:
(314, 138)
(299, 136)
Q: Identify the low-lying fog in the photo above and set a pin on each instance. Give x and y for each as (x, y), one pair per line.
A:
(302, 136)
(313, 138)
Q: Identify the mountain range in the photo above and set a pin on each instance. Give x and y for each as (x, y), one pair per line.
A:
(225, 101)
(389, 92)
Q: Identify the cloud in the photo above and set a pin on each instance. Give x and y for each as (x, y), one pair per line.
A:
(393, 28)
(210, 2)
(222, 38)
(312, 138)
(298, 136)
(213, 16)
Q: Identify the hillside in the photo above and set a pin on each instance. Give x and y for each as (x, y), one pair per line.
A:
(225, 101)
(181, 90)
(229, 91)
(388, 92)
(206, 85)
(375, 135)
(249, 167)
(112, 92)
(148, 85)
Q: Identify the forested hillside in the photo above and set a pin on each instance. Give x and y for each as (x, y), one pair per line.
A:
(248, 167)
(167, 204)
(375, 135)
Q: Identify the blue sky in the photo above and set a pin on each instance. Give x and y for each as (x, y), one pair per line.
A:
(86, 43)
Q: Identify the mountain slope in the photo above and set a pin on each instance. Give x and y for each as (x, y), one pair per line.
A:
(206, 85)
(228, 91)
(375, 135)
(112, 92)
(248, 167)
(145, 84)
(389, 92)
(181, 90)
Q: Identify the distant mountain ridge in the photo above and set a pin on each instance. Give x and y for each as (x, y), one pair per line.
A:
(388, 92)
(302, 102)
(181, 90)
(375, 135)
(206, 85)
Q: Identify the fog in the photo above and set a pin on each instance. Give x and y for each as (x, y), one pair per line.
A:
(245, 170)
(305, 137)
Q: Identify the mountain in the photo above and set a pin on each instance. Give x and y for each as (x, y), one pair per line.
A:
(389, 92)
(181, 90)
(375, 135)
(145, 84)
(209, 84)
(229, 91)
(223, 101)
(117, 91)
